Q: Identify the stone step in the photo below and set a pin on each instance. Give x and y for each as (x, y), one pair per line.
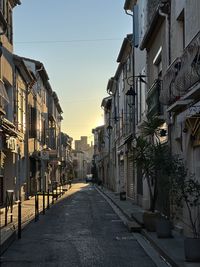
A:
(133, 226)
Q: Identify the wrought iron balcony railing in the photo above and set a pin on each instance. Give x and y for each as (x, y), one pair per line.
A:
(182, 74)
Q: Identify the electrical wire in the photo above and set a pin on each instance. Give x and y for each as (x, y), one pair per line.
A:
(66, 41)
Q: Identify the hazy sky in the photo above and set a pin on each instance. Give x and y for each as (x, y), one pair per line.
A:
(78, 42)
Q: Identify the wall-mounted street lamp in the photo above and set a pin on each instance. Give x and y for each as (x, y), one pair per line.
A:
(129, 6)
(109, 129)
(131, 92)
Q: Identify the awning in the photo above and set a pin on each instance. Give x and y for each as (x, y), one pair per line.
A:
(3, 92)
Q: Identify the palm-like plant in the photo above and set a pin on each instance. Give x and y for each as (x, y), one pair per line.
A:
(155, 162)
(153, 158)
(151, 128)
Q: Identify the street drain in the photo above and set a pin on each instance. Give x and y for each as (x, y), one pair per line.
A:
(120, 238)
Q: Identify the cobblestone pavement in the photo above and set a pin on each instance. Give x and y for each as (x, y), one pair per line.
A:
(81, 230)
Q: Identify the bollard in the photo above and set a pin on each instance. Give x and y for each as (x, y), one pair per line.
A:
(52, 197)
(43, 202)
(48, 199)
(6, 215)
(19, 219)
(11, 210)
(36, 208)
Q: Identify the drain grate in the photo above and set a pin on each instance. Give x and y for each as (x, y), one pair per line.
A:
(121, 238)
(116, 220)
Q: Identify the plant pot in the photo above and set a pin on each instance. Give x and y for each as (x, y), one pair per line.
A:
(122, 195)
(163, 228)
(149, 219)
(192, 249)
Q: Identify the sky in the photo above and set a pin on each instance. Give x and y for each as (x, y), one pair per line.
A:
(78, 42)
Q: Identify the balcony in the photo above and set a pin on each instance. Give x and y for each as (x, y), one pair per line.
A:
(183, 74)
(154, 106)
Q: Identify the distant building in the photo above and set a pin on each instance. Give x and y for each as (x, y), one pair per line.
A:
(82, 144)
(82, 157)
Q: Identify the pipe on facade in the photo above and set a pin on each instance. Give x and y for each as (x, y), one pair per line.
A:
(167, 17)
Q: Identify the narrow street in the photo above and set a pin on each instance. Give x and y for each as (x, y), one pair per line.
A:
(80, 230)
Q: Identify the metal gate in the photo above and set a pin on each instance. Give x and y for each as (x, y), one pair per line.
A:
(130, 178)
(121, 175)
(1, 190)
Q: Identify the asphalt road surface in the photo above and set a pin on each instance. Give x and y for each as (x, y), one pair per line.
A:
(80, 230)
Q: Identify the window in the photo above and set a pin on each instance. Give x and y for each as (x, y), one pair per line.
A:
(44, 96)
(121, 122)
(6, 10)
(3, 96)
(32, 122)
(125, 70)
(21, 110)
(43, 132)
(157, 62)
(181, 29)
(9, 33)
(128, 64)
(39, 125)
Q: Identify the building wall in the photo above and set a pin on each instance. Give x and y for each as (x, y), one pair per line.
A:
(158, 41)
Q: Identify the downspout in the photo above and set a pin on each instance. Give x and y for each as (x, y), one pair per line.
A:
(167, 18)
(28, 190)
(134, 107)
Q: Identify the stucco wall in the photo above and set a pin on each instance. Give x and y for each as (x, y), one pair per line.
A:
(158, 41)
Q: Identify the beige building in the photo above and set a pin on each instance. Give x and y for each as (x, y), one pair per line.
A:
(172, 44)
(88, 150)
(30, 120)
(157, 76)
(181, 84)
(9, 135)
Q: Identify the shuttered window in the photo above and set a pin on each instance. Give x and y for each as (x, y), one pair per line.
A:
(32, 122)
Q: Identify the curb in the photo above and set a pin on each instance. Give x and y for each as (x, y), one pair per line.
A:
(131, 224)
(160, 250)
(144, 233)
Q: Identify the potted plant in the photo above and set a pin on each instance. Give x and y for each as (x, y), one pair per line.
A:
(122, 194)
(152, 158)
(187, 194)
(172, 167)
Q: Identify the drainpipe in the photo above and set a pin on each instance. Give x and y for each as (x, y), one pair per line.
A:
(133, 74)
(28, 187)
(167, 19)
